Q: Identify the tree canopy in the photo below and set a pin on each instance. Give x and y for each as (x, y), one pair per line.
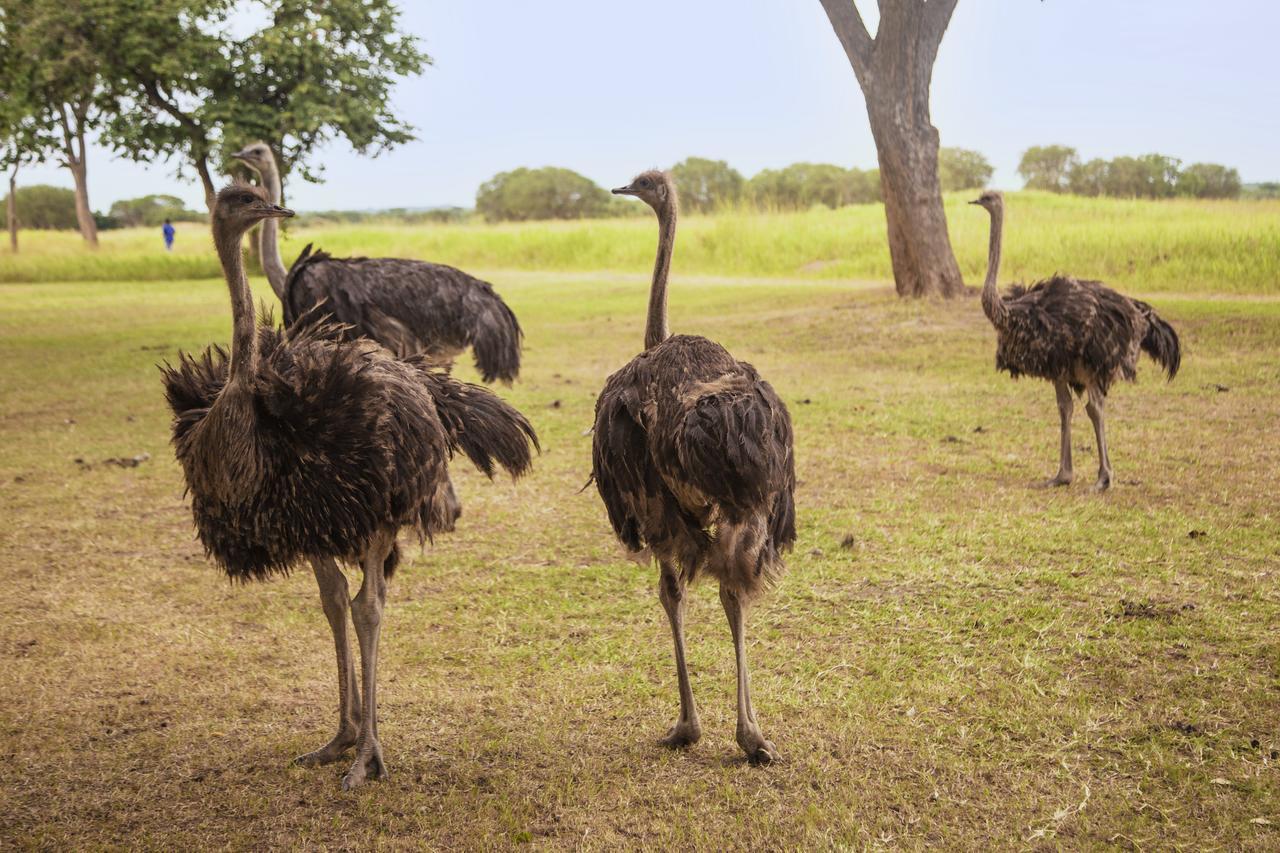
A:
(151, 210)
(1047, 167)
(41, 206)
(194, 88)
(546, 193)
(963, 169)
(706, 184)
(803, 185)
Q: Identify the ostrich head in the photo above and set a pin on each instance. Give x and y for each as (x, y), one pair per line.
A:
(990, 199)
(653, 187)
(240, 206)
(256, 156)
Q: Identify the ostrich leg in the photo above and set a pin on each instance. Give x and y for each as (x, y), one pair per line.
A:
(671, 591)
(334, 598)
(753, 743)
(366, 613)
(1096, 407)
(1065, 408)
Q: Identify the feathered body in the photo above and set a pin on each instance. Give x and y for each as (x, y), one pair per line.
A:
(1080, 331)
(1078, 334)
(308, 445)
(332, 442)
(407, 306)
(693, 458)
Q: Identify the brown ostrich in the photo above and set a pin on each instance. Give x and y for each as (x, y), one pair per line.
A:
(1080, 335)
(407, 306)
(693, 458)
(301, 446)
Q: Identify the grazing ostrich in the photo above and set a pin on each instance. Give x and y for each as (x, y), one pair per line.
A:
(407, 306)
(693, 458)
(304, 446)
(1080, 335)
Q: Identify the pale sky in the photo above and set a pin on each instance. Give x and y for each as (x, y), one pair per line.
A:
(610, 88)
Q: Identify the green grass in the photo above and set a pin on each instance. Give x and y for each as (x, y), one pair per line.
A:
(1167, 246)
(982, 663)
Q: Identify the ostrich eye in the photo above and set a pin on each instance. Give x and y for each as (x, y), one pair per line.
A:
(644, 182)
(246, 199)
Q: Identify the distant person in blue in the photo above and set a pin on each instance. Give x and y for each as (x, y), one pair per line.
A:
(168, 235)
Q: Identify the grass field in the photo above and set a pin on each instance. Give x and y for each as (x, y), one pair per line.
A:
(954, 659)
(1174, 246)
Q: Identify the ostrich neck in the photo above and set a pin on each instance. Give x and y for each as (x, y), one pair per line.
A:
(269, 236)
(992, 304)
(655, 331)
(244, 349)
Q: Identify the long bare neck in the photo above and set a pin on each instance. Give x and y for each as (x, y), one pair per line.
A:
(655, 330)
(244, 349)
(269, 234)
(992, 304)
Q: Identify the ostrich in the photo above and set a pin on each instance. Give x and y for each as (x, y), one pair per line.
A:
(693, 458)
(299, 445)
(407, 306)
(1080, 335)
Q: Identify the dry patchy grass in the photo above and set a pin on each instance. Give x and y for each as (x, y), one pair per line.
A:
(953, 658)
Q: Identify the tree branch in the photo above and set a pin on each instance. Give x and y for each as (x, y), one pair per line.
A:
(937, 14)
(846, 20)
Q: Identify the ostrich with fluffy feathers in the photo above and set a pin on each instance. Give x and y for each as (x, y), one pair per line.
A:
(693, 458)
(407, 306)
(299, 445)
(1080, 335)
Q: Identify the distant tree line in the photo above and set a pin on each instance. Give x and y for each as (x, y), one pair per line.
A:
(1059, 169)
(707, 185)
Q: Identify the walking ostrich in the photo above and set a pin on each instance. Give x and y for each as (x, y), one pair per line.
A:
(1080, 335)
(303, 446)
(407, 306)
(693, 458)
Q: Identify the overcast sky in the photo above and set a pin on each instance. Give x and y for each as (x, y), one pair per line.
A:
(610, 88)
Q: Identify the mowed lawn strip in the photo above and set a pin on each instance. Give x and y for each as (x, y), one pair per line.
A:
(953, 658)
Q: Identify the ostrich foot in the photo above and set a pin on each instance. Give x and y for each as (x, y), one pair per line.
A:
(682, 734)
(1062, 478)
(368, 765)
(1104, 483)
(759, 751)
(331, 751)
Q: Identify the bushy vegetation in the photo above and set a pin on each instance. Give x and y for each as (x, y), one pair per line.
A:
(44, 207)
(963, 169)
(706, 184)
(547, 193)
(151, 210)
(1058, 168)
(1181, 245)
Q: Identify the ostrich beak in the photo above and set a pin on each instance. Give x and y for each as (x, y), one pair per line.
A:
(976, 201)
(627, 190)
(240, 155)
(281, 212)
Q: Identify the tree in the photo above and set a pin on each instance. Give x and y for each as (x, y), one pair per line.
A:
(803, 185)
(44, 207)
(706, 184)
(1148, 176)
(52, 68)
(1088, 179)
(1048, 167)
(962, 169)
(1209, 180)
(151, 210)
(894, 70)
(547, 193)
(19, 135)
(313, 73)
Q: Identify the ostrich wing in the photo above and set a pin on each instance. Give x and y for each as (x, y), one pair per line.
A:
(409, 306)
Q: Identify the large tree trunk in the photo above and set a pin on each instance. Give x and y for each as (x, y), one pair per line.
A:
(894, 70)
(84, 216)
(73, 133)
(11, 209)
